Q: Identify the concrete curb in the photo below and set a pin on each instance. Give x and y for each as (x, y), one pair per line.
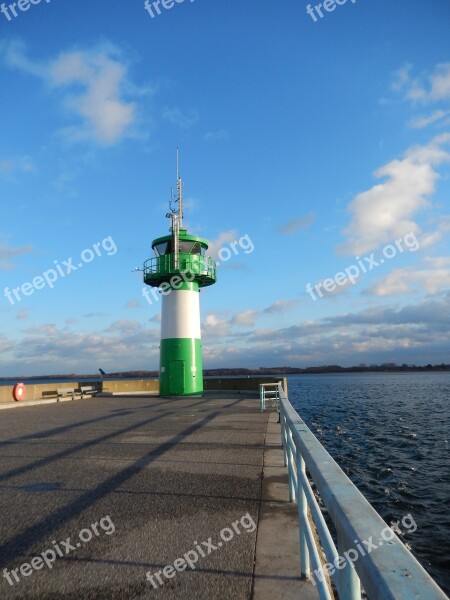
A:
(4, 405)
(109, 394)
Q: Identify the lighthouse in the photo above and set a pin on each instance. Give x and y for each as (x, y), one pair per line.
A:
(180, 268)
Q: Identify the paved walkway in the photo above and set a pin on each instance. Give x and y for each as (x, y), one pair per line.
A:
(138, 498)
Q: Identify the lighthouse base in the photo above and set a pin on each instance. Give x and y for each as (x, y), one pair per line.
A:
(181, 369)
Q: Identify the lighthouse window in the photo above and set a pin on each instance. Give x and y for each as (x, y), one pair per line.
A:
(185, 247)
(190, 247)
(161, 249)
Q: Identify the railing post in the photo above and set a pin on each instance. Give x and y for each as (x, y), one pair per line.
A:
(283, 437)
(305, 563)
(348, 582)
(291, 463)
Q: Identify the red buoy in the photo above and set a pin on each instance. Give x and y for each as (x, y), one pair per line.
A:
(18, 392)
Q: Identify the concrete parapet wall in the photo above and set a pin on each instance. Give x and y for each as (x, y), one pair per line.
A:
(240, 383)
(42, 391)
(117, 386)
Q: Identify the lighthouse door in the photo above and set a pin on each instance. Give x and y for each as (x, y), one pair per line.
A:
(176, 377)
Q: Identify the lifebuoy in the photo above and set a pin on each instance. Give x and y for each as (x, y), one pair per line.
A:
(19, 392)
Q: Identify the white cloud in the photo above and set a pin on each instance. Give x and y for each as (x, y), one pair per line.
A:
(437, 261)
(402, 77)
(416, 333)
(412, 280)
(216, 324)
(22, 315)
(245, 318)
(215, 327)
(222, 240)
(123, 326)
(385, 212)
(430, 88)
(48, 329)
(297, 224)
(45, 348)
(433, 237)
(11, 166)
(280, 306)
(14, 53)
(421, 122)
(177, 117)
(95, 87)
(7, 252)
(132, 304)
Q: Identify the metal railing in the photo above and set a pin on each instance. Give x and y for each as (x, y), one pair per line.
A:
(158, 268)
(365, 557)
(269, 391)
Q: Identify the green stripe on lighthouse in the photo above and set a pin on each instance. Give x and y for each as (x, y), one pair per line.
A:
(181, 370)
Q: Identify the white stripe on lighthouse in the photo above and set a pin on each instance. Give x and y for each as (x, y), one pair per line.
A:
(180, 315)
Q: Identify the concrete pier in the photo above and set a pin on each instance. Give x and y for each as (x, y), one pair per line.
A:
(146, 497)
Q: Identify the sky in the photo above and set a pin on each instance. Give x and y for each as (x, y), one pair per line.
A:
(315, 155)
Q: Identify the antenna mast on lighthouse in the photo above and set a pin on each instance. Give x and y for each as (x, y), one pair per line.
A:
(176, 215)
(179, 192)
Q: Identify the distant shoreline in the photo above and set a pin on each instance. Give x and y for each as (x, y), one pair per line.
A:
(263, 371)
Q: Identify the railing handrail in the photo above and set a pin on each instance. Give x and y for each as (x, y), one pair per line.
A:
(265, 393)
(154, 264)
(387, 573)
(159, 268)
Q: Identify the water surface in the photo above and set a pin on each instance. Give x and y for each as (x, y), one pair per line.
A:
(390, 433)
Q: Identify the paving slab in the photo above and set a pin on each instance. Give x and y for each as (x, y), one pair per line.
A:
(112, 489)
(99, 499)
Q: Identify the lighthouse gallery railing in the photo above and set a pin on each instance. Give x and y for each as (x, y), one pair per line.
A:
(202, 267)
(381, 564)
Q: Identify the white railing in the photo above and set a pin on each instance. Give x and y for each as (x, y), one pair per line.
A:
(368, 553)
(269, 391)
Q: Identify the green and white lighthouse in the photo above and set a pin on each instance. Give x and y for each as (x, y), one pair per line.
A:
(179, 269)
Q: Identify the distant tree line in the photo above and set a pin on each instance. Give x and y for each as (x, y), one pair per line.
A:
(361, 368)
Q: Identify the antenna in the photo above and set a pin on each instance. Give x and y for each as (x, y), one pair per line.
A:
(176, 200)
(180, 191)
(176, 215)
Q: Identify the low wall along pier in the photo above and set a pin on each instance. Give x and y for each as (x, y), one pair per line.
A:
(130, 386)
(240, 383)
(48, 391)
(38, 391)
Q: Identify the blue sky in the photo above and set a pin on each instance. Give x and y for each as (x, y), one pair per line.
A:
(326, 143)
